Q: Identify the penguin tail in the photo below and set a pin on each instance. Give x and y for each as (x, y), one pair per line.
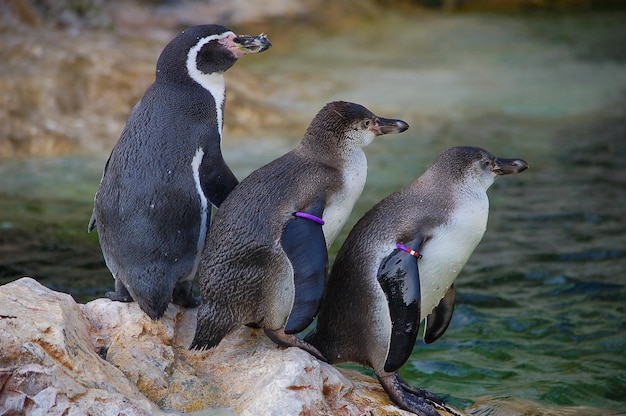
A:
(310, 337)
(154, 311)
(313, 339)
(329, 347)
(152, 292)
(92, 222)
(210, 328)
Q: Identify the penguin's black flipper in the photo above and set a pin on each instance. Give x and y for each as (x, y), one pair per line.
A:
(398, 277)
(217, 179)
(439, 319)
(304, 244)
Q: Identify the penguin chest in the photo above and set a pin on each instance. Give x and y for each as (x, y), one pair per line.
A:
(340, 203)
(449, 248)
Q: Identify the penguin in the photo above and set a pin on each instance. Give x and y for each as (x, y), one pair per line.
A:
(152, 208)
(265, 262)
(398, 265)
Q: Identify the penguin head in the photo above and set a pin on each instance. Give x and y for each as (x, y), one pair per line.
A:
(476, 167)
(351, 124)
(203, 50)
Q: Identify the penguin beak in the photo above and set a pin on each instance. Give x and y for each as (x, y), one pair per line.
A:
(251, 44)
(382, 126)
(508, 166)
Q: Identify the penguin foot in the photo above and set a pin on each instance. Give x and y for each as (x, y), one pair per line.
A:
(121, 294)
(183, 295)
(119, 297)
(432, 398)
(288, 340)
(416, 400)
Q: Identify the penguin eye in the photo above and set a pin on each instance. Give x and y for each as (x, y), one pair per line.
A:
(367, 123)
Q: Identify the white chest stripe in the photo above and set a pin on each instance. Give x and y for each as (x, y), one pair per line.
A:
(214, 82)
(204, 207)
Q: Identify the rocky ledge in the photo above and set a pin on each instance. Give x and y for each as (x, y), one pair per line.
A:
(109, 358)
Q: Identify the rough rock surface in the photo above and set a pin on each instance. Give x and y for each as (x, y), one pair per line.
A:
(109, 358)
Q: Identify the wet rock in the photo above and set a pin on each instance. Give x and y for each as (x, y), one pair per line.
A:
(60, 357)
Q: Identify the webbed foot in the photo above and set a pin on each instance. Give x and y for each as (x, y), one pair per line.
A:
(121, 294)
(416, 400)
(288, 340)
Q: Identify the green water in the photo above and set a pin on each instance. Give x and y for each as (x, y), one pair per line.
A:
(541, 313)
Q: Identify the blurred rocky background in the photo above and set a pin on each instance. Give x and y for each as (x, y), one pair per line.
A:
(71, 70)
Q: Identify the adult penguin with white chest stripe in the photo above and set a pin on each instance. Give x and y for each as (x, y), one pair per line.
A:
(265, 259)
(153, 206)
(398, 265)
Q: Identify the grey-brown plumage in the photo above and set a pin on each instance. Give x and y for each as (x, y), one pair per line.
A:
(378, 293)
(152, 208)
(256, 266)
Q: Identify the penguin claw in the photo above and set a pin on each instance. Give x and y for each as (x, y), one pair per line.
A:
(117, 297)
(416, 400)
(288, 340)
(416, 391)
(434, 400)
(121, 294)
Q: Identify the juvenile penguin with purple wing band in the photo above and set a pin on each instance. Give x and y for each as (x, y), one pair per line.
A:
(398, 265)
(152, 209)
(266, 255)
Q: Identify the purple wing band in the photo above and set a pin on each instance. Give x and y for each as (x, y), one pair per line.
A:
(408, 250)
(309, 217)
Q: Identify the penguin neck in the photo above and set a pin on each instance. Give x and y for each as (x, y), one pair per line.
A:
(212, 82)
(329, 149)
(349, 165)
(352, 174)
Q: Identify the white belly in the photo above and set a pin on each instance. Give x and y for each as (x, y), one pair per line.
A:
(445, 254)
(340, 206)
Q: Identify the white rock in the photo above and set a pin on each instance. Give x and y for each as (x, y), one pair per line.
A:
(109, 358)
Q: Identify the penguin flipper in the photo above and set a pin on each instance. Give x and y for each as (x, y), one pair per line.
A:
(217, 180)
(438, 321)
(398, 277)
(304, 244)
